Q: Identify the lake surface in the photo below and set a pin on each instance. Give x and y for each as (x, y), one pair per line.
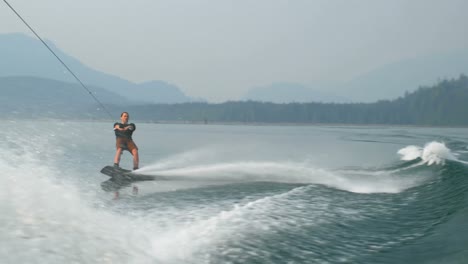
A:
(240, 194)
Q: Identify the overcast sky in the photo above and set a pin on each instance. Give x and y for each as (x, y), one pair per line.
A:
(218, 49)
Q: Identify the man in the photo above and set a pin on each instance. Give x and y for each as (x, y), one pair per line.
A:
(124, 141)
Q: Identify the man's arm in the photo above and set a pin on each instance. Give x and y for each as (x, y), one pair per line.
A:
(117, 127)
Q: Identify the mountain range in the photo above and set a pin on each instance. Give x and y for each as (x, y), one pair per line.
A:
(384, 83)
(25, 56)
(22, 55)
(395, 79)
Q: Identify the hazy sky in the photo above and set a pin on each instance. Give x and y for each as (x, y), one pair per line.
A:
(218, 49)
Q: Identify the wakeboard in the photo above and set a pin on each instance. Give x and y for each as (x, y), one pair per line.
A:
(120, 178)
(128, 175)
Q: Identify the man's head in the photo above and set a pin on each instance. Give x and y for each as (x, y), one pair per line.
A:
(124, 117)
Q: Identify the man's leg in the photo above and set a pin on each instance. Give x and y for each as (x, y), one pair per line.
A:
(136, 159)
(118, 153)
(136, 162)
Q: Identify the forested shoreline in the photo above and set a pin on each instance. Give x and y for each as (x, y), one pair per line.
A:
(443, 104)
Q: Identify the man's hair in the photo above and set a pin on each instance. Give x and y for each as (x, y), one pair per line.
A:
(124, 113)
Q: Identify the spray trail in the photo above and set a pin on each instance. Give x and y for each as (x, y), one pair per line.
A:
(285, 172)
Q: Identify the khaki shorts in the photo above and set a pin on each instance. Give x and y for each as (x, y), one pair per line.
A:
(125, 144)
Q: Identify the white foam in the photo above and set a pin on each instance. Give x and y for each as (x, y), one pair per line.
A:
(432, 153)
(410, 152)
(436, 153)
(44, 217)
(181, 243)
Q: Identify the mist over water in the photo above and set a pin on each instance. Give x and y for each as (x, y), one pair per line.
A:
(233, 195)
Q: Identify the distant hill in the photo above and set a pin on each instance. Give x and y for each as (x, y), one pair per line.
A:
(395, 79)
(25, 56)
(23, 96)
(290, 92)
(33, 90)
(384, 83)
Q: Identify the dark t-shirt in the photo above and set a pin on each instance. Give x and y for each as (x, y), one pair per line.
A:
(125, 133)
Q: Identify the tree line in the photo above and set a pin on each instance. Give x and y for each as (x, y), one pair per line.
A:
(443, 104)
